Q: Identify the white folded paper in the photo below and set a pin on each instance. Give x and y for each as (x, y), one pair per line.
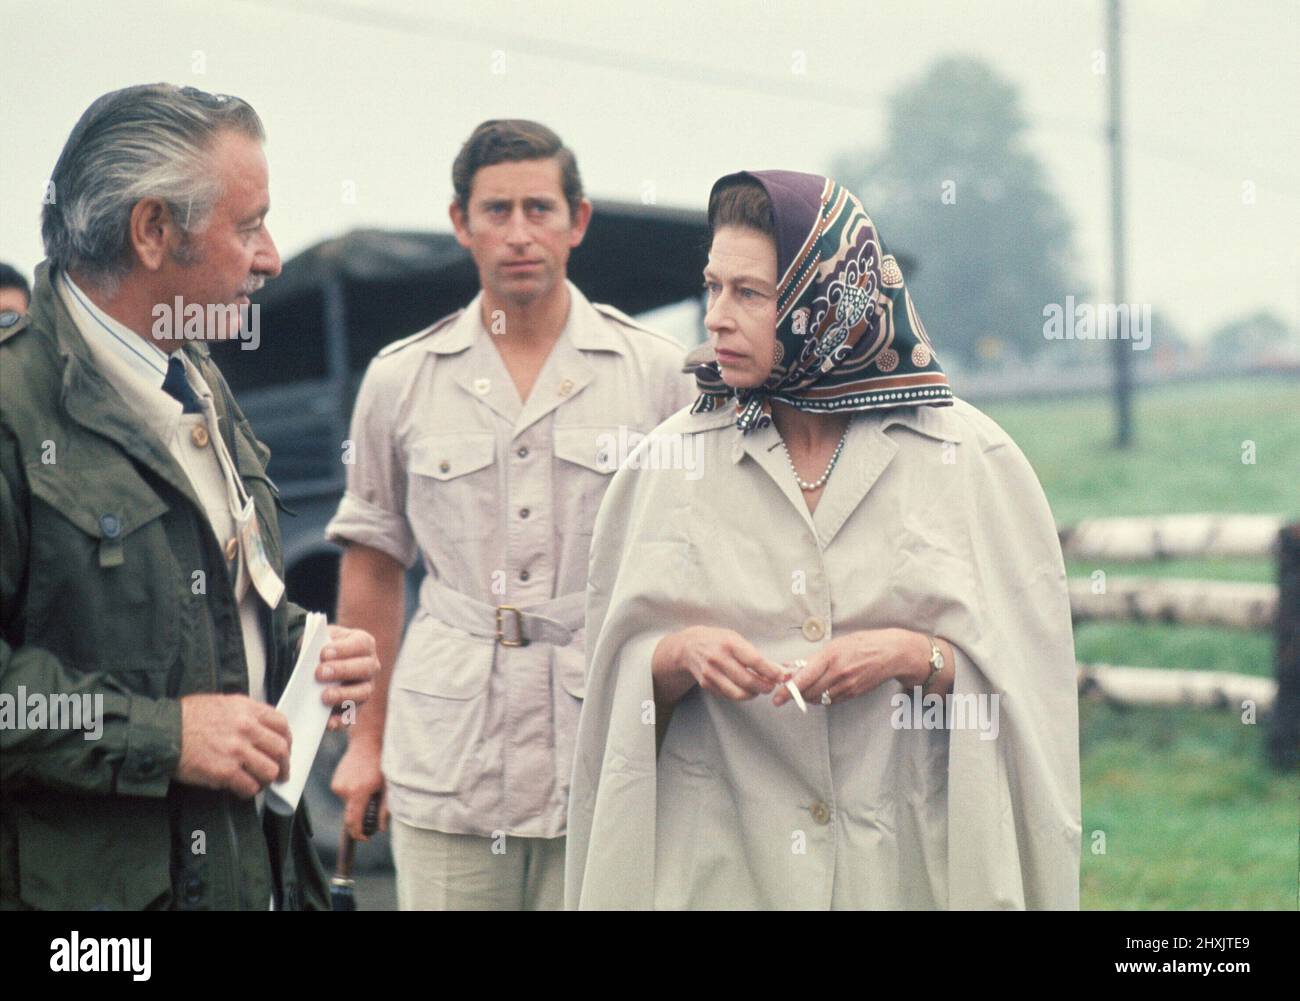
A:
(307, 713)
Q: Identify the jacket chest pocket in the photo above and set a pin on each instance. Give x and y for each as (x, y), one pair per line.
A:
(453, 484)
(106, 588)
(587, 457)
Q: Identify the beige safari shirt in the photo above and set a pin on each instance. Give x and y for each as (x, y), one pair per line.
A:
(498, 498)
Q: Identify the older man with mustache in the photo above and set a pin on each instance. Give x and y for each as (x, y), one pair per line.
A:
(142, 552)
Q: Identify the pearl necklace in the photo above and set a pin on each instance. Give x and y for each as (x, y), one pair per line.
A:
(835, 457)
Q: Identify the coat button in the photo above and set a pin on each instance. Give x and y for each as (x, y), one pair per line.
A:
(482, 386)
(523, 452)
(523, 512)
(524, 575)
(148, 765)
(814, 629)
(444, 466)
(193, 889)
(8, 318)
(199, 436)
(566, 387)
(110, 525)
(821, 813)
(232, 548)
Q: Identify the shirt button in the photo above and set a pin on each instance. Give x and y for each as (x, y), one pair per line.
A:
(110, 525)
(524, 575)
(444, 466)
(566, 387)
(523, 512)
(199, 435)
(821, 813)
(814, 629)
(481, 386)
(232, 547)
(522, 452)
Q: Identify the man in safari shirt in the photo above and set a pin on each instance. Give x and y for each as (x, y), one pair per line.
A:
(483, 445)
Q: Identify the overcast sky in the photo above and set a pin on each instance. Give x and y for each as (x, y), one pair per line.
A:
(374, 97)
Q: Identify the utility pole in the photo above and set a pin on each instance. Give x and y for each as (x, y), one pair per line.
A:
(1121, 347)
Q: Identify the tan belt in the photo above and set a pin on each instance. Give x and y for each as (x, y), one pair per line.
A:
(553, 621)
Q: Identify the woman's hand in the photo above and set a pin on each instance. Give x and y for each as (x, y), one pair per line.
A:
(857, 663)
(720, 661)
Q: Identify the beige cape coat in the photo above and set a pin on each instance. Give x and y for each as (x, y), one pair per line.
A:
(934, 521)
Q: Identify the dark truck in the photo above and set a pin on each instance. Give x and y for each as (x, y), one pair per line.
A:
(327, 315)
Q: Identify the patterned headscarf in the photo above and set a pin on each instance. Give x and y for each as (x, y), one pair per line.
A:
(847, 335)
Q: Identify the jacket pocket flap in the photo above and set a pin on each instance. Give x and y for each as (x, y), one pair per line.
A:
(439, 660)
(120, 503)
(446, 456)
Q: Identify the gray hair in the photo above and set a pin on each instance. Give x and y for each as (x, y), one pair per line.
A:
(148, 141)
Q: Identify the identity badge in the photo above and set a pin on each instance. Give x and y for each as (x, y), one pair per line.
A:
(265, 579)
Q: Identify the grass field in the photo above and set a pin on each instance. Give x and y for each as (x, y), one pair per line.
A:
(1191, 815)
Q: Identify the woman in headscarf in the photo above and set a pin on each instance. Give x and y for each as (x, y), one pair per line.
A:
(830, 656)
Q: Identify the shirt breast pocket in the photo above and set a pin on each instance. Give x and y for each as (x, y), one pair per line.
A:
(104, 580)
(453, 484)
(588, 456)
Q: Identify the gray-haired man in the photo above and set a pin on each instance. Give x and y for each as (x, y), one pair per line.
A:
(141, 580)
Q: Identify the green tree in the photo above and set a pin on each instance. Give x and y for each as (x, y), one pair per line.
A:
(954, 187)
(1249, 339)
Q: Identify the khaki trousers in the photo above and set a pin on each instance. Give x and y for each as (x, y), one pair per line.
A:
(464, 872)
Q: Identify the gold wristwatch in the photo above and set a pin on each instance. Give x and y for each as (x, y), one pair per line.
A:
(935, 662)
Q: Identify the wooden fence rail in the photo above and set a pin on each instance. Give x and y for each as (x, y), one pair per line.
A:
(1224, 604)
(1182, 602)
(1171, 536)
(1162, 686)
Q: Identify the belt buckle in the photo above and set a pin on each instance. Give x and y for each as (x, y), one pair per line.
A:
(519, 627)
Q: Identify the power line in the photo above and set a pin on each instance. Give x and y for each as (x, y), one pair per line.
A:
(685, 71)
(679, 70)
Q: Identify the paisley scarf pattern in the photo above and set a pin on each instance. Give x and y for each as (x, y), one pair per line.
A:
(847, 334)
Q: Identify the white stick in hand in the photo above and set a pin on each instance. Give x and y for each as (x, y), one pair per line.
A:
(793, 689)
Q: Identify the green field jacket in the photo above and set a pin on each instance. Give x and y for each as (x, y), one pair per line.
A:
(101, 541)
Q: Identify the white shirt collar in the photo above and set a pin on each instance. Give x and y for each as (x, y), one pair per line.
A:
(132, 366)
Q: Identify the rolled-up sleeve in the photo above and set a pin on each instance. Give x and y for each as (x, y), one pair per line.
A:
(373, 509)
